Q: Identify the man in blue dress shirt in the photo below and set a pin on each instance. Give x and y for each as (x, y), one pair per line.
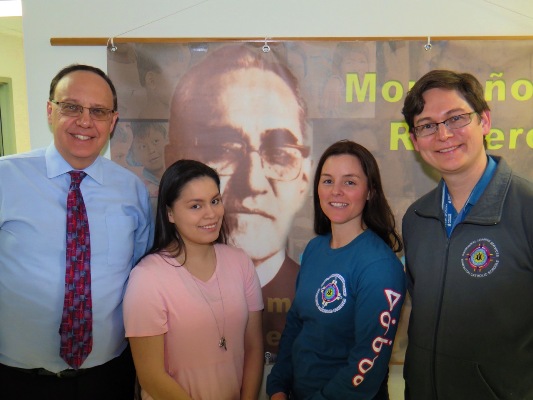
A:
(33, 191)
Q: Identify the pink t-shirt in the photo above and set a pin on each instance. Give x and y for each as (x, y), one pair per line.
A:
(164, 298)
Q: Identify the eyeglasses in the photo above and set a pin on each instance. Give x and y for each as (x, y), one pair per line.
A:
(455, 122)
(282, 163)
(75, 110)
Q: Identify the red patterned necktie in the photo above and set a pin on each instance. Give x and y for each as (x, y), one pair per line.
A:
(77, 320)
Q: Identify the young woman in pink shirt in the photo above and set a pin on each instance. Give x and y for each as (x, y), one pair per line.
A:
(192, 308)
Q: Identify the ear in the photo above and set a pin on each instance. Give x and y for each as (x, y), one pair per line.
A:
(304, 179)
(414, 140)
(170, 215)
(49, 111)
(149, 79)
(113, 122)
(486, 122)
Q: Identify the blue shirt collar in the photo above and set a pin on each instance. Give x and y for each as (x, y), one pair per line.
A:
(56, 165)
(451, 216)
(483, 181)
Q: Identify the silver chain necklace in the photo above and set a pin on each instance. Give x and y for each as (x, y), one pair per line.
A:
(222, 340)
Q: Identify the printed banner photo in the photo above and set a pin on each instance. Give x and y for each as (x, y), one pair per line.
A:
(234, 105)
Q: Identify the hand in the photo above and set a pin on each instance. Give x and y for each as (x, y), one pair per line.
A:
(279, 396)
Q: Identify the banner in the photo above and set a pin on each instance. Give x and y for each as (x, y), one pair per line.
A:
(236, 100)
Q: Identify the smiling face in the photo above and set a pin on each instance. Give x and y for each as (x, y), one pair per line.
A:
(80, 139)
(197, 213)
(343, 191)
(457, 152)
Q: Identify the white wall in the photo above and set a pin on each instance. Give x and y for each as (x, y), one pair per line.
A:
(43, 20)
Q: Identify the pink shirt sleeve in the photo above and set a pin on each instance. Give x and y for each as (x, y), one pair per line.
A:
(252, 286)
(145, 309)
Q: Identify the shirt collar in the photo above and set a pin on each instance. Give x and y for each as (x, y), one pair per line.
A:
(56, 165)
(483, 182)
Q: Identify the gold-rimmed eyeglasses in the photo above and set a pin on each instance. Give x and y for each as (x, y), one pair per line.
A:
(75, 110)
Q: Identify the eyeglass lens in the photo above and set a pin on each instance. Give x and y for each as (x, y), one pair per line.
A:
(282, 163)
(75, 110)
(455, 122)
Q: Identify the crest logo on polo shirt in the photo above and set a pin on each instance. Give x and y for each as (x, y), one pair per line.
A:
(331, 295)
(480, 258)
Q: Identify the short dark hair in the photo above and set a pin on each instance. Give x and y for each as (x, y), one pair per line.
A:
(175, 178)
(464, 83)
(82, 67)
(377, 214)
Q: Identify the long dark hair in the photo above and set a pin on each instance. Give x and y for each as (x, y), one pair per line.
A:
(175, 178)
(377, 214)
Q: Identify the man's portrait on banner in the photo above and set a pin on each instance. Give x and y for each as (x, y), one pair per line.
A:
(240, 112)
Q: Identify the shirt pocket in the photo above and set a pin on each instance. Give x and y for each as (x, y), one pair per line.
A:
(121, 237)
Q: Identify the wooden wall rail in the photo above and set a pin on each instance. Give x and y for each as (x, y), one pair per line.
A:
(99, 41)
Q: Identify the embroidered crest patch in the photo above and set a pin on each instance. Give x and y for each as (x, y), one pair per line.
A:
(480, 258)
(331, 295)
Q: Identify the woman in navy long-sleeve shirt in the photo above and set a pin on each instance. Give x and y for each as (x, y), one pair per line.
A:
(340, 329)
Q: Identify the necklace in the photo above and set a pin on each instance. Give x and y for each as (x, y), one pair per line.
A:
(222, 340)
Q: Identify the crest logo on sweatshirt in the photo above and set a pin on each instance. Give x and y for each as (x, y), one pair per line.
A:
(331, 295)
(480, 258)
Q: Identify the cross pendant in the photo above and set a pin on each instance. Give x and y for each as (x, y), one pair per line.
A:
(222, 343)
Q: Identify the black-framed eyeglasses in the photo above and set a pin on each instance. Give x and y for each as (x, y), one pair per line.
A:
(281, 162)
(455, 122)
(75, 110)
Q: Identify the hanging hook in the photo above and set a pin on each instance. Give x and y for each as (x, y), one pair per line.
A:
(428, 45)
(111, 46)
(266, 47)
